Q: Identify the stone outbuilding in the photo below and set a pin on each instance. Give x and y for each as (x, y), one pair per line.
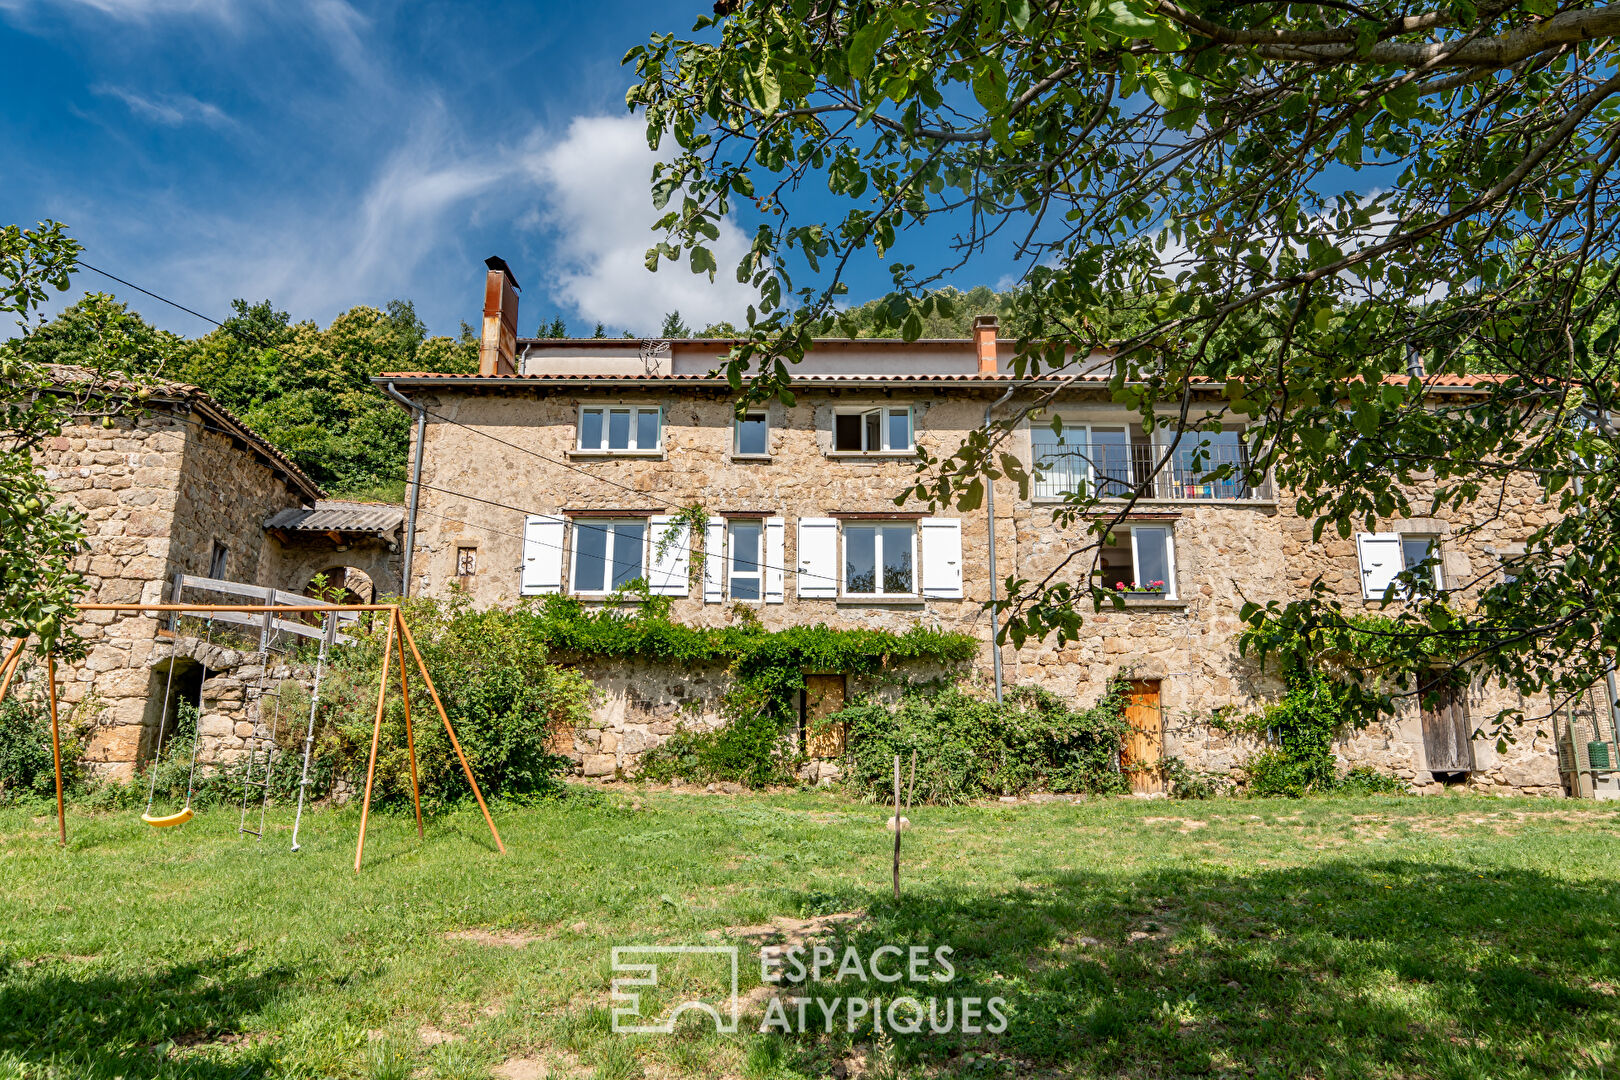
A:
(180, 486)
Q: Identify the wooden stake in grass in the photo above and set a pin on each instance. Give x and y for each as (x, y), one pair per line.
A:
(376, 737)
(56, 750)
(897, 826)
(911, 784)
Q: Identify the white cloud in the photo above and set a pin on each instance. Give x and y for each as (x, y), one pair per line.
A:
(596, 207)
(171, 110)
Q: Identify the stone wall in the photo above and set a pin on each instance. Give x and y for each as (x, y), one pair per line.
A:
(1227, 553)
(246, 699)
(156, 490)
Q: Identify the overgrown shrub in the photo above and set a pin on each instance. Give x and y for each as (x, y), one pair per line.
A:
(968, 747)
(1366, 780)
(1184, 782)
(491, 671)
(752, 749)
(1299, 732)
(27, 770)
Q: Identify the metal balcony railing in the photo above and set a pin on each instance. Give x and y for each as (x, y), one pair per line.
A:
(1118, 471)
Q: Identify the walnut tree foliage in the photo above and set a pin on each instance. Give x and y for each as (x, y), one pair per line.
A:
(112, 356)
(1279, 203)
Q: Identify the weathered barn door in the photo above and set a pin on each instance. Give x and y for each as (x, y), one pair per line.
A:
(1144, 745)
(1446, 731)
(823, 696)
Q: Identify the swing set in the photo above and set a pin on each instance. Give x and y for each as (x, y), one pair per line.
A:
(397, 631)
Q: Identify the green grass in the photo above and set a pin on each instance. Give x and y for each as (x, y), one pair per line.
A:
(1455, 937)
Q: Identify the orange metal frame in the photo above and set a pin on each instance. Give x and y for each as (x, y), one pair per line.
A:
(396, 628)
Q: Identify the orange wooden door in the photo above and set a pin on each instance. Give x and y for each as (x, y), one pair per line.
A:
(1144, 744)
(823, 696)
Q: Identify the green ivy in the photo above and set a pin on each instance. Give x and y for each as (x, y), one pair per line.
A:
(767, 669)
(968, 748)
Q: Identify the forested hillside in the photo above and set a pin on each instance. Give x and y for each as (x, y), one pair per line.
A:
(307, 388)
(304, 387)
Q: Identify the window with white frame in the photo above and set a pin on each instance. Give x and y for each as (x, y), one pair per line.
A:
(1385, 556)
(621, 429)
(1140, 561)
(880, 559)
(752, 435)
(1069, 455)
(873, 431)
(609, 553)
(745, 542)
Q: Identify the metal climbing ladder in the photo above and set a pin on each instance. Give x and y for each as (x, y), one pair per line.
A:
(262, 739)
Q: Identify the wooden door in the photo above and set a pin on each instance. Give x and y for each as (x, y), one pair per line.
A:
(823, 696)
(1144, 744)
(1447, 742)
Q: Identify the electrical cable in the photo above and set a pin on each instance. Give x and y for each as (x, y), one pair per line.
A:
(444, 419)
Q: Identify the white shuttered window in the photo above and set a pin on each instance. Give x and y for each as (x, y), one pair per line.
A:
(542, 556)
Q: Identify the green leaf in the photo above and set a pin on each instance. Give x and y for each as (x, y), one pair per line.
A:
(1018, 12)
(1126, 20)
(990, 85)
(863, 46)
(912, 328)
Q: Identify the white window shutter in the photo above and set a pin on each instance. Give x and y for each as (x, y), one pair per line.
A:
(714, 562)
(942, 558)
(1380, 558)
(542, 556)
(669, 575)
(818, 559)
(775, 557)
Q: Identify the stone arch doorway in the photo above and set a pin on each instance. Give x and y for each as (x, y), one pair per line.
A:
(164, 697)
(343, 585)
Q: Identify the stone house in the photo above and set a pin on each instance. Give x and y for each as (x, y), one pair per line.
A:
(556, 467)
(180, 486)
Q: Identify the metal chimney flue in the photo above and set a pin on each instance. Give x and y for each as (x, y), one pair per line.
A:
(497, 350)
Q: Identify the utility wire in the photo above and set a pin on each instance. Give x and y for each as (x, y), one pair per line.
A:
(445, 419)
(271, 345)
(531, 512)
(148, 292)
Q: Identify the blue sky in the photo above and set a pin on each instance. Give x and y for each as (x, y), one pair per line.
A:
(323, 154)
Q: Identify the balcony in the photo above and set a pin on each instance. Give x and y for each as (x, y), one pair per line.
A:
(1120, 471)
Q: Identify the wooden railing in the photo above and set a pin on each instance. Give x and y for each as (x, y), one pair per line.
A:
(265, 624)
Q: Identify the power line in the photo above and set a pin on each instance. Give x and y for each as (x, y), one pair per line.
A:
(531, 512)
(149, 292)
(237, 331)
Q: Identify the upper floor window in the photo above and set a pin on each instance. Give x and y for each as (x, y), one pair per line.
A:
(752, 437)
(1115, 460)
(1072, 456)
(873, 431)
(608, 554)
(880, 560)
(621, 428)
(1140, 560)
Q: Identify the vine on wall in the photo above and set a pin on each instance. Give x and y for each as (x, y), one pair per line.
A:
(767, 669)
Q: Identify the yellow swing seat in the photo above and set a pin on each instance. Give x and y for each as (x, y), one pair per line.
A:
(164, 821)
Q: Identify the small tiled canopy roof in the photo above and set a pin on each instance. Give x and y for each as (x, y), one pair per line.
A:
(331, 515)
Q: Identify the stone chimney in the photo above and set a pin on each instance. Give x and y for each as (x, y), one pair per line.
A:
(497, 351)
(985, 328)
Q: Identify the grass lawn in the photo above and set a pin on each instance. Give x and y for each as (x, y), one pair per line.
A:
(1440, 937)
